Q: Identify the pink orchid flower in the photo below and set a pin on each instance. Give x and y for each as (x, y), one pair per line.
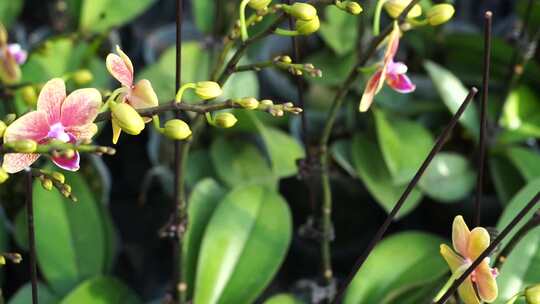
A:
(68, 119)
(18, 53)
(480, 285)
(390, 71)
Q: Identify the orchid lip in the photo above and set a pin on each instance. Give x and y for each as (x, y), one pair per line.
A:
(57, 131)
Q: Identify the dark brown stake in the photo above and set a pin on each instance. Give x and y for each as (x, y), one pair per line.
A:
(490, 248)
(483, 117)
(436, 148)
(31, 235)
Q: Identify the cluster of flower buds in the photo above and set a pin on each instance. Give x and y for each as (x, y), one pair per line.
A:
(11, 57)
(307, 20)
(50, 179)
(13, 257)
(278, 110)
(350, 7)
(298, 69)
(436, 15)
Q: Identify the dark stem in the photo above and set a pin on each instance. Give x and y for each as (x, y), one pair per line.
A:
(436, 148)
(31, 235)
(512, 243)
(483, 117)
(490, 248)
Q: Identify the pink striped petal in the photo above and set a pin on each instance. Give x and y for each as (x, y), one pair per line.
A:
(50, 99)
(373, 86)
(84, 132)
(33, 125)
(120, 67)
(15, 162)
(70, 164)
(400, 83)
(81, 107)
(143, 95)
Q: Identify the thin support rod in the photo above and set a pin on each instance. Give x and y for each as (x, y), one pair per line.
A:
(31, 235)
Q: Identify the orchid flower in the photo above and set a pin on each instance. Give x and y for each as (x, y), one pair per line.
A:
(11, 56)
(391, 72)
(140, 95)
(480, 285)
(67, 119)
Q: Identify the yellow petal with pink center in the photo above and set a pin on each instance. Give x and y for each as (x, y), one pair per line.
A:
(485, 281)
(478, 242)
(460, 235)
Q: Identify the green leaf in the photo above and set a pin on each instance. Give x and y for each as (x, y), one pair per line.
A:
(238, 162)
(401, 262)
(71, 238)
(453, 93)
(335, 68)
(101, 290)
(24, 295)
(521, 113)
(404, 145)
(204, 12)
(338, 30)
(506, 178)
(341, 152)
(203, 201)
(199, 166)
(9, 11)
(526, 161)
(283, 298)
(101, 15)
(370, 167)
(522, 267)
(448, 178)
(250, 230)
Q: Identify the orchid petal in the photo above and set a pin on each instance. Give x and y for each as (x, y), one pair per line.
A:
(393, 44)
(116, 131)
(33, 125)
(15, 162)
(400, 83)
(70, 164)
(143, 95)
(460, 235)
(120, 68)
(81, 107)
(10, 72)
(478, 242)
(396, 68)
(373, 86)
(84, 132)
(50, 99)
(485, 281)
(453, 260)
(467, 293)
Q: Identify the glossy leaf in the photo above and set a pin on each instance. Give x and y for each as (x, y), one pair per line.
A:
(370, 167)
(341, 152)
(101, 15)
(338, 30)
(527, 161)
(521, 113)
(101, 290)
(283, 298)
(448, 178)
(9, 11)
(401, 262)
(24, 295)
(404, 145)
(453, 93)
(335, 68)
(243, 246)
(506, 178)
(522, 267)
(204, 199)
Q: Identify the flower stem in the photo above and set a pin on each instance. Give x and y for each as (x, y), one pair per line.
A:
(243, 26)
(377, 17)
(31, 235)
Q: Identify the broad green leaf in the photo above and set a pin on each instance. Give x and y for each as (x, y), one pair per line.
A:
(9, 11)
(448, 178)
(522, 267)
(24, 295)
(203, 201)
(339, 30)
(521, 113)
(283, 298)
(506, 178)
(204, 12)
(341, 152)
(101, 15)
(453, 93)
(527, 161)
(404, 145)
(334, 68)
(238, 162)
(240, 85)
(243, 246)
(199, 166)
(400, 263)
(370, 167)
(101, 290)
(71, 239)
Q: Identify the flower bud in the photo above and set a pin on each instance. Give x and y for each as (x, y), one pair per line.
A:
(127, 118)
(177, 129)
(308, 27)
(3, 35)
(10, 118)
(10, 72)
(2, 260)
(59, 177)
(208, 90)
(225, 120)
(259, 4)
(47, 184)
(29, 96)
(82, 77)
(440, 13)
(394, 8)
(3, 127)
(248, 103)
(3, 175)
(25, 146)
(67, 188)
(285, 59)
(69, 153)
(353, 7)
(301, 11)
(532, 294)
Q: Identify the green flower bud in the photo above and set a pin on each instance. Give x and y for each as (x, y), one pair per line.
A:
(353, 8)
(127, 118)
(2, 260)
(394, 8)
(259, 4)
(285, 59)
(207, 90)
(24, 146)
(3, 127)
(177, 129)
(440, 13)
(82, 77)
(532, 294)
(3, 175)
(308, 27)
(29, 96)
(47, 184)
(248, 103)
(301, 11)
(59, 177)
(10, 118)
(225, 120)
